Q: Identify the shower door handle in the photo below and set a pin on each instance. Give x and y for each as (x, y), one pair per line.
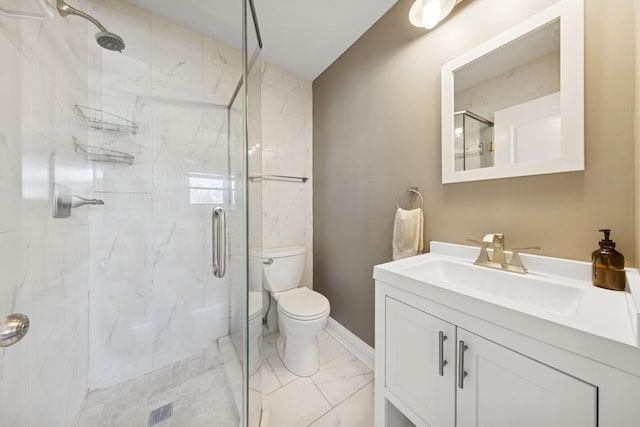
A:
(219, 242)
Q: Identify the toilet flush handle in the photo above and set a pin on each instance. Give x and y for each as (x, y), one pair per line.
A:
(267, 261)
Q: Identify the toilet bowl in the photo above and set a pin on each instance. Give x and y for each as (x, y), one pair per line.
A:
(255, 330)
(302, 312)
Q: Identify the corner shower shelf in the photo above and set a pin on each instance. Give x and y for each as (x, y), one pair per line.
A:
(103, 155)
(102, 120)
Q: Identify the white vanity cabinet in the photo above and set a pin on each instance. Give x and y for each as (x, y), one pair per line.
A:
(420, 362)
(439, 375)
(503, 388)
(460, 345)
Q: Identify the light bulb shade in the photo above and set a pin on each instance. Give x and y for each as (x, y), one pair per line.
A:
(447, 7)
(428, 13)
(431, 12)
(415, 14)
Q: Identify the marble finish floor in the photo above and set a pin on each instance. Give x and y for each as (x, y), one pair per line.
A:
(339, 394)
(199, 388)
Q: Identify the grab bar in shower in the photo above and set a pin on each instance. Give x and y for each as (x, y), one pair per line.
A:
(219, 242)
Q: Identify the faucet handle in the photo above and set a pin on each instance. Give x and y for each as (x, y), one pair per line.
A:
(84, 201)
(525, 248)
(515, 260)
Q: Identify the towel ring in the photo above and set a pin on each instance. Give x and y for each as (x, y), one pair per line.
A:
(409, 191)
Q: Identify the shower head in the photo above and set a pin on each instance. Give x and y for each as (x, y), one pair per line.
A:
(104, 38)
(110, 41)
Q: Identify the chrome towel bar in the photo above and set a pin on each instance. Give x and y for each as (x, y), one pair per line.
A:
(278, 178)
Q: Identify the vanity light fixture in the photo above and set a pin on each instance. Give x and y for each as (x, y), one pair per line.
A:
(428, 13)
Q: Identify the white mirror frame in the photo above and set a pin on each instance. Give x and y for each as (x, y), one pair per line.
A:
(571, 14)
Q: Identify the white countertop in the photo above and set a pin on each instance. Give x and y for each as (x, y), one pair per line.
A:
(598, 323)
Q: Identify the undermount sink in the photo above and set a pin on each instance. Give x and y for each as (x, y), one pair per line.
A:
(540, 292)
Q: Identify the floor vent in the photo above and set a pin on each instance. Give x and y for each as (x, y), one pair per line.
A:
(162, 413)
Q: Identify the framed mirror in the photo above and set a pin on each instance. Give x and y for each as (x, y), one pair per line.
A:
(514, 105)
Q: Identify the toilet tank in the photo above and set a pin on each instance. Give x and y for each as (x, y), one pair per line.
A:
(285, 272)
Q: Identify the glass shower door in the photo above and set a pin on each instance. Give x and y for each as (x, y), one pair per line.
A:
(252, 72)
(473, 136)
(246, 169)
(129, 325)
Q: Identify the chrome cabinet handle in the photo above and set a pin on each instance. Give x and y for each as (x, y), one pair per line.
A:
(219, 242)
(461, 372)
(442, 363)
(13, 328)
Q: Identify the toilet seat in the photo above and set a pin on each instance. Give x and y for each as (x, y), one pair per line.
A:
(303, 304)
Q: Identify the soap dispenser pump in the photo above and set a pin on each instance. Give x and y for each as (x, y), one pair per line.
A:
(608, 265)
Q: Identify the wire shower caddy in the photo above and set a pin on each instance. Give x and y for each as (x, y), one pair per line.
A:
(105, 121)
(103, 155)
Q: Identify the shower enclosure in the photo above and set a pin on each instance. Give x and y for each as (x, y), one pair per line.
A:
(473, 141)
(127, 216)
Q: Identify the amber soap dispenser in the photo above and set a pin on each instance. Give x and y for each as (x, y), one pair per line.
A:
(608, 265)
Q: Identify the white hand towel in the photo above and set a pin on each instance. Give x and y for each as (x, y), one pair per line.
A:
(408, 233)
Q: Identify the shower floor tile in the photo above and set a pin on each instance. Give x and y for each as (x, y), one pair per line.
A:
(199, 388)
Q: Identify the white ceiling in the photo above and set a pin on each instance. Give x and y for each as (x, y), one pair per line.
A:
(302, 36)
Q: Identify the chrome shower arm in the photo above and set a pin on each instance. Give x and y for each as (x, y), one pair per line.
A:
(65, 10)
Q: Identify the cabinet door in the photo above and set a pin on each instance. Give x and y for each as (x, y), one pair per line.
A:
(412, 371)
(503, 388)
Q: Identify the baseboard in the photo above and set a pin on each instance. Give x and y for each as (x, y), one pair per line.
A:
(363, 351)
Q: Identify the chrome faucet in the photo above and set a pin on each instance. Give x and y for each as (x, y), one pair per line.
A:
(495, 241)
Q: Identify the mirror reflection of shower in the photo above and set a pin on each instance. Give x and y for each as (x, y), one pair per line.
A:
(473, 141)
(105, 38)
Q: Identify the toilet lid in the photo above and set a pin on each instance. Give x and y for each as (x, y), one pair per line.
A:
(303, 303)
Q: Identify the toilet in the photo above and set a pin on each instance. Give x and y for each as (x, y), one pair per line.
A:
(255, 330)
(302, 313)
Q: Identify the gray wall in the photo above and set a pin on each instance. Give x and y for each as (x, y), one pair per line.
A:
(377, 131)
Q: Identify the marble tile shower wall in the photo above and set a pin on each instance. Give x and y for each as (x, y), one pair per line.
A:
(43, 261)
(153, 299)
(287, 149)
